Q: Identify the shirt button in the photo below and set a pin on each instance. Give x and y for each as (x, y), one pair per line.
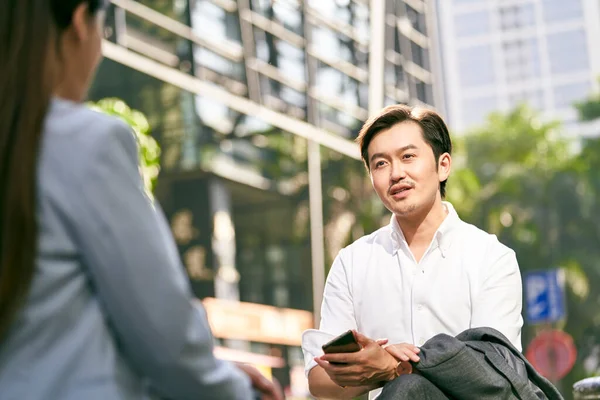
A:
(421, 341)
(420, 307)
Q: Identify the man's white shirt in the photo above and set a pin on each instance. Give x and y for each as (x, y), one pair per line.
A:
(465, 279)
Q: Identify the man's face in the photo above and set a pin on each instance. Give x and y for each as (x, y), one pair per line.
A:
(404, 171)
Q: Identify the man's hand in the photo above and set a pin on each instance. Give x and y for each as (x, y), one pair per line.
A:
(269, 390)
(404, 353)
(371, 366)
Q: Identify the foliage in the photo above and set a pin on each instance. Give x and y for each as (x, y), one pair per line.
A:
(149, 150)
(589, 109)
(519, 180)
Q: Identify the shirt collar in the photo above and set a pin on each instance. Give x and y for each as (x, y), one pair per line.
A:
(442, 237)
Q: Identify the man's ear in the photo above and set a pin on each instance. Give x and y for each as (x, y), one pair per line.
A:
(444, 167)
(80, 23)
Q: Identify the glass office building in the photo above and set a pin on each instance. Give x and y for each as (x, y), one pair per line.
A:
(255, 104)
(502, 53)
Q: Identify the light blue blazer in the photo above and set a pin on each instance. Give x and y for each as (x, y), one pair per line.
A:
(109, 315)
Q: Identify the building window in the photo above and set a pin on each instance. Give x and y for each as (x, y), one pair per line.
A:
(568, 51)
(388, 101)
(332, 44)
(397, 40)
(424, 92)
(394, 75)
(533, 98)
(516, 17)
(417, 20)
(210, 19)
(477, 66)
(208, 61)
(287, 58)
(420, 56)
(352, 13)
(521, 58)
(476, 110)
(286, 13)
(561, 10)
(566, 95)
(472, 24)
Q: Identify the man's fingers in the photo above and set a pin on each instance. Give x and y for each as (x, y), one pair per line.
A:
(382, 342)
(402, 354)
(362, 339)
(342, 375)
(344, 358)
(413, 354)
(321, 363)
(397, 353)
(332, 368)
(414, 357)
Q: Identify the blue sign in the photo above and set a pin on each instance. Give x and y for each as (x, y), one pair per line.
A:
(545, 296)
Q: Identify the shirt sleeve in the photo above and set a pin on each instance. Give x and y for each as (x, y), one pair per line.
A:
(134, 268)
(337, 313)
(499, 302)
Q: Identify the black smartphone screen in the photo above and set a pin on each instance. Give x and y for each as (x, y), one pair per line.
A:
(344, 343)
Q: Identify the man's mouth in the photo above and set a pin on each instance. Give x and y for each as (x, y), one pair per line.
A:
(399, 190)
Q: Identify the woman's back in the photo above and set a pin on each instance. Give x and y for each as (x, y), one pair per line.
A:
(109, 302)
(62, 346)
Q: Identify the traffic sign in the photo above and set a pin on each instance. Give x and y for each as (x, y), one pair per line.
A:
(552, 353)
(545, 296)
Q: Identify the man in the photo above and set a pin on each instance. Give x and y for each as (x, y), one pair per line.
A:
(425, 273)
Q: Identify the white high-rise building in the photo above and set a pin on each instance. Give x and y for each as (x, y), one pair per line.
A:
(496, 54)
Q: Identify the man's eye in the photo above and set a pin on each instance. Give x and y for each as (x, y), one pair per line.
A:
(407, 156)
(379, 164)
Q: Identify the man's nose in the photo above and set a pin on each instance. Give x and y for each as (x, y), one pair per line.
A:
(397, 172)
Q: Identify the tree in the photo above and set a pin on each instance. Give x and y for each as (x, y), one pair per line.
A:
(516, 178)
(589, 109)
(149, 150)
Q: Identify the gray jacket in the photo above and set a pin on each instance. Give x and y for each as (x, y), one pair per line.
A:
(478, 364)
(109, 313)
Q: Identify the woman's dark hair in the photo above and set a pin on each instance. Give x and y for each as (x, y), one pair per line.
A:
(29, 32)
(434, 129)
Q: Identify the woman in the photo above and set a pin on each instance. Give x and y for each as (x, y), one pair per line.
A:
(93, 300)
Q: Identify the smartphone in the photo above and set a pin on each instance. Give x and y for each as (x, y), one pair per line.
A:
(344, 343)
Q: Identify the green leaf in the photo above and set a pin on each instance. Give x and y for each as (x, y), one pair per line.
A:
(149, 150)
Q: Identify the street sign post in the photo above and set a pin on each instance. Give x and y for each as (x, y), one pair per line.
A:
(545, 296)
(552, 353)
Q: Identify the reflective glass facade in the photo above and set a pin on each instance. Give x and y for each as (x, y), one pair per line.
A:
(537, 51)
(234, 180)
(306, 60)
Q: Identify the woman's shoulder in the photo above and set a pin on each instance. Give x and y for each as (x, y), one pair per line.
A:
(78, 141)
(76, 123)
